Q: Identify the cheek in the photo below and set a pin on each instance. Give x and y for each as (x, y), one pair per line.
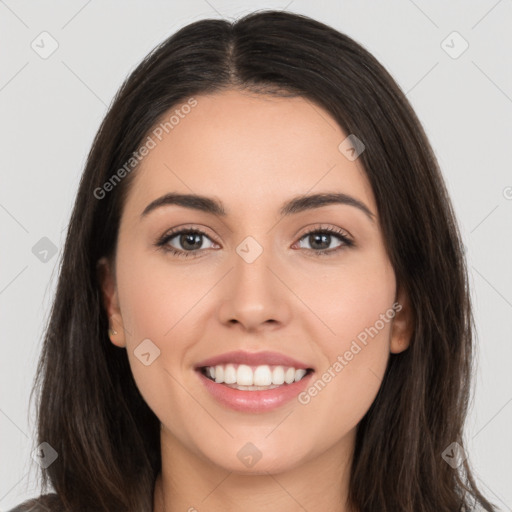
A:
(158, 302)
(350, 297)
(156, 296)
(345, 387)
(357, 306)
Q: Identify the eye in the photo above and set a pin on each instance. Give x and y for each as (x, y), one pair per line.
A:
(189, 242)
(185, 242)
(320, 239)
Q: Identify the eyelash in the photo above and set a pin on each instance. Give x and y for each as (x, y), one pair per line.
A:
(162, 243)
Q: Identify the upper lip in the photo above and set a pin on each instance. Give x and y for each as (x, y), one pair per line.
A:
(253, 359)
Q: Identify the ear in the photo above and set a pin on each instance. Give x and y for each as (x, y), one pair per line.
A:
(402, 326)
(106, 277)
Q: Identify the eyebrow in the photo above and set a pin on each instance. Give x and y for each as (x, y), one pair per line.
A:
(295, 205)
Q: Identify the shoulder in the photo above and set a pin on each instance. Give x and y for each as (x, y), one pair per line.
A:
(44, 503)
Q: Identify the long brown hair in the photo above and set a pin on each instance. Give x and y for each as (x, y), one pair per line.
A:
(90, 410)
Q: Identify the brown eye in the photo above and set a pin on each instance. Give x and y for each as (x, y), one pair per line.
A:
(320, 240)
(185, 242)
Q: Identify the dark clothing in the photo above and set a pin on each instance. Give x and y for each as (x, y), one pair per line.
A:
(44, 503)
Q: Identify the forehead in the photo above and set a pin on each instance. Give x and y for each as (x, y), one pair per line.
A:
(244, 148)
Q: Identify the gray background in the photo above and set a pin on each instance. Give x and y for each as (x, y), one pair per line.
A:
(51, 108)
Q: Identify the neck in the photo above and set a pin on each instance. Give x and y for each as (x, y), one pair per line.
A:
(192, 483)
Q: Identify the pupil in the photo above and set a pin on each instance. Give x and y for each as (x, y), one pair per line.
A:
(324, 237)
(191, 238)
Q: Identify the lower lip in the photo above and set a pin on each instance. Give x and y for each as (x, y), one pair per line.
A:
(254, 401)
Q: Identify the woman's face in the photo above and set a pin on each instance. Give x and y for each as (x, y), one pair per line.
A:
(255, 281)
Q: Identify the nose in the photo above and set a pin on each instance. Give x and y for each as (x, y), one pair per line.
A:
(254, 296)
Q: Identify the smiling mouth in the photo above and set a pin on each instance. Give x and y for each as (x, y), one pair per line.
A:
(254, 378)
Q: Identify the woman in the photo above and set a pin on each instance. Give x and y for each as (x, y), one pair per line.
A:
(263, 300)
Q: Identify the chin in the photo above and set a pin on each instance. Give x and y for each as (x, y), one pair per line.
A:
(256, 458)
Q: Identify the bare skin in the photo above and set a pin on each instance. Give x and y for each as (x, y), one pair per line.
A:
(253, 153)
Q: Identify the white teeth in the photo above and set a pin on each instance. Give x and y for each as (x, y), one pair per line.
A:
(219, 373)
(299, 374)
(289, 376)
(262, 376)
(229, 374)
(244, 375)
(278, 375)
(258, 377)
(251, 388)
